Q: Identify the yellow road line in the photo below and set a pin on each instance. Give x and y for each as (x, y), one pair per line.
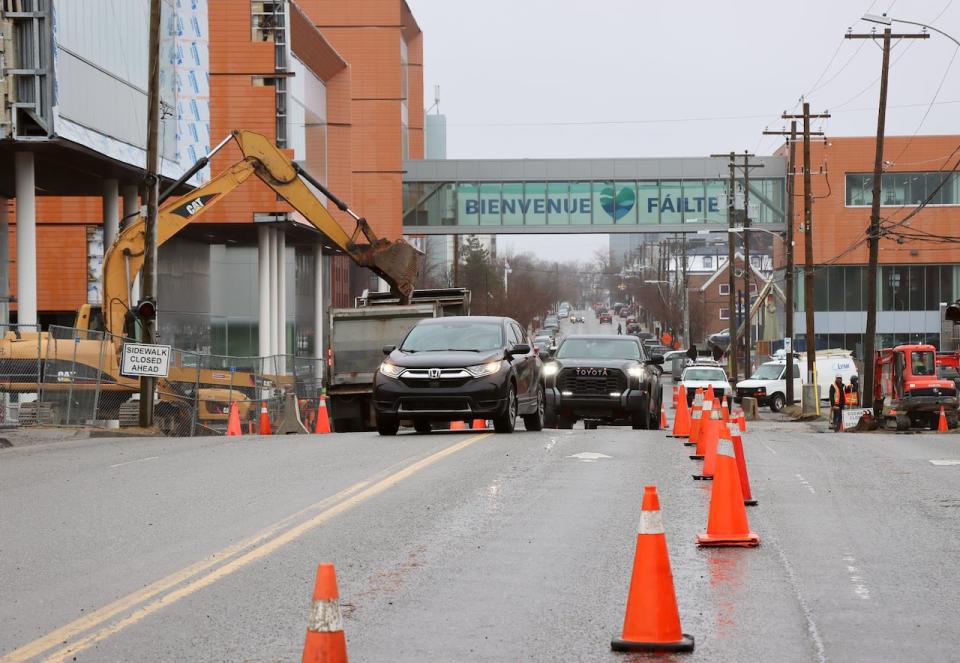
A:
(101, 615)
(345, 500)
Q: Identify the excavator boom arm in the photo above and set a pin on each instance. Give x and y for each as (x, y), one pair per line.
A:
(395, 261)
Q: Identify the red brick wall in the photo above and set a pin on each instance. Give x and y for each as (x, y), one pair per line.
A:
(836, 227)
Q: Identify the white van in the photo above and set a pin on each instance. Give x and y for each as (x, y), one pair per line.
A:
(768, 384)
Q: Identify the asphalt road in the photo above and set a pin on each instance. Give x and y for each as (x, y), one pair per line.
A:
(460, 546)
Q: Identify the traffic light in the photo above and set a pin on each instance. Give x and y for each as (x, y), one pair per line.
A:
(953, 312)
(147, 308)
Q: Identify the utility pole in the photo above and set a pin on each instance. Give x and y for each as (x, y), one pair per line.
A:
(732, 302)
(808, 232)
(686, 294)
(149, 275)
(789, 276)
(747, 271)
(873, 234)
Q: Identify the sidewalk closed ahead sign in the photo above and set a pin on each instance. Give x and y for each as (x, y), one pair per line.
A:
(140, 359)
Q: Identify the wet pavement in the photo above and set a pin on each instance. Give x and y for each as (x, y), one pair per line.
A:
(457, 546)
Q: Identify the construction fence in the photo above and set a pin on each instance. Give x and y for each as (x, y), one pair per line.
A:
(71, 377)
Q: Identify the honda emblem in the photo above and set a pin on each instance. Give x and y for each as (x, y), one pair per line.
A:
(434, 373)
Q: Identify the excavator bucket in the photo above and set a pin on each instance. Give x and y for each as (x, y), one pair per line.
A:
(397, 262)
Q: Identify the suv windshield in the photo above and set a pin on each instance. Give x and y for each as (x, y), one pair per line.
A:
(768, 372)
(705, 374)
(595, 348)
(466, 336)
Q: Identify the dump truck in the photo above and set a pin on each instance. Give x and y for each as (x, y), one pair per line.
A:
(91, 366)
(356, 340)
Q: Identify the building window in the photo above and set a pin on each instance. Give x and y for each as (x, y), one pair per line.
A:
(941, 188)
(707, 262)
(724, 313)
(753, 288)
(724, 288)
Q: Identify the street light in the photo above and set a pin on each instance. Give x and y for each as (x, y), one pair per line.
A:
(883, 19)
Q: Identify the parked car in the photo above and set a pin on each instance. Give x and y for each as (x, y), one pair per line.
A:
(675, 361)
(606, 318)
(602, 379)
(704, 375)
(460, 368)
(576, 319)
(542, 345)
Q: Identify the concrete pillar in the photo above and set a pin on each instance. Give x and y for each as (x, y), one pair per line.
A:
(264, 260)
(281, 298)
(273, 292)
(319, 310)
(26, 238)
(131, 203)
(111, 212)
(4, 265)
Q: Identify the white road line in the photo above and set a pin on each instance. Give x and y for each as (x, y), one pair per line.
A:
(859, 586)
(945, 462)
(139, 460)
(769, 448)
(807, 484)
(804, 606)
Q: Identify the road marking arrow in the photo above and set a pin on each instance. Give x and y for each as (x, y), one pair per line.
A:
(589, 456)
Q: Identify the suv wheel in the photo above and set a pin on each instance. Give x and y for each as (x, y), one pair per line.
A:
(550, 418)
(506, 422)
(388, 425)
(640, 420)
(534, 420)
(776, 402)
(422, 427)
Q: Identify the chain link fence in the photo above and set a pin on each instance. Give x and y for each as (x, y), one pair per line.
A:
(19, 371)
(71, 377)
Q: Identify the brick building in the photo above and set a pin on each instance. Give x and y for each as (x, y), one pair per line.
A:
(336, 83)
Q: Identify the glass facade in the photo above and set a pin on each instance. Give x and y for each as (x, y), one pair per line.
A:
(904, 189)
(583, 203)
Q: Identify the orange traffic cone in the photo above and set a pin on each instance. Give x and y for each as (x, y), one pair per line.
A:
(742, 422)
(707, 414)
(681, 422)
(676, 397)
(323, 419)
(652, 621)
(741, 466)
(250, 427)
(724, 414)
(727, 523)
(717, 430)
(696, 416)
(233, 421)
(942, 424)
(479, 424)
(663, 418)
(710, 394)
(264, 420)
(458, 425)
(325, 641)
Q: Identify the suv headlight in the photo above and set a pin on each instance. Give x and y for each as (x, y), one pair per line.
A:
(549, 370)
(482, 370)
(390, 370)
(636, 371)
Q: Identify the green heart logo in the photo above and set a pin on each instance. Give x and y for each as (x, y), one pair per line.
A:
(619, 204)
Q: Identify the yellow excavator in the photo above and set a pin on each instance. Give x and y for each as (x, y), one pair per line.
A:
(81, 366)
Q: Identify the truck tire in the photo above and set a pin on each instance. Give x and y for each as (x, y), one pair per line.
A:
(550, 418)
(776, 402)
(640, 420)
(507, 421)
(534, 420)
(903, 423)
(388, 426)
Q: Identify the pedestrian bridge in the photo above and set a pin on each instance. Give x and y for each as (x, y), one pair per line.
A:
(550, 196)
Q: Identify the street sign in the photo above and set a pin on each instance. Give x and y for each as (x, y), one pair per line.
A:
(144, 359)
(851, 417)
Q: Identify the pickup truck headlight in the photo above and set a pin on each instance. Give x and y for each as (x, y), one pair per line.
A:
(482, 370)
(636, 371)
(390, 370)
(549, 370)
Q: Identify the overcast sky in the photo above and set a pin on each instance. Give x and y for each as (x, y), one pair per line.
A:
(623, 78)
